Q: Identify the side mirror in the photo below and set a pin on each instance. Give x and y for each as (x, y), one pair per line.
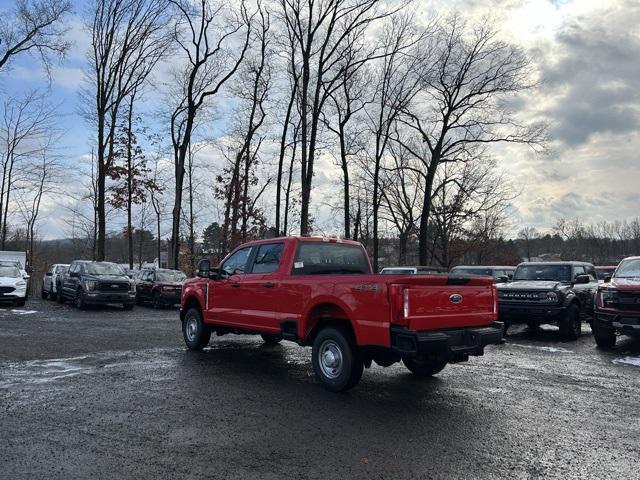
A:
(26, 277)
(204, 268)
(213, 274)
(502, 279)
(581, 279)
(607, 279)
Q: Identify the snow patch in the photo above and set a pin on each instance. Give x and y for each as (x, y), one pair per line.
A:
(635, 361)
(544, 349)
(24, 312)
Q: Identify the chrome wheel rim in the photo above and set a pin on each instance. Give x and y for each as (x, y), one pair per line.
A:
(330, 359)
(191, 329)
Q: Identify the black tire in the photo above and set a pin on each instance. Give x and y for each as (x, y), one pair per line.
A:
(138, 300)
(505, 328)
(571, 323)
(79, 300)
(156, 302)
(127, 306)
(348, 364)
(424, 368)
(53, 296)
(20, 302)
(195, 332)
(44, 294)
(60, 296)
(605, 338)
(271, 339)
(533, 325)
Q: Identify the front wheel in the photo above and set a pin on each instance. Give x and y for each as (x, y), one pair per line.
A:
(571, 324)
(195, 332)
(157, 303)
(336, 360)
(605, 338)
(60, 296)
(79, 300)
(20, 302)
(424, 368)
(44, 294)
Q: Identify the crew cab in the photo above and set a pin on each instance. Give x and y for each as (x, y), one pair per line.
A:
(618, 304)
(322, 293)
(556, 293)
(96, 283)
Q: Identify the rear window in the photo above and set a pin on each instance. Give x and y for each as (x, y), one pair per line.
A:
(397, 271)
(329, 258)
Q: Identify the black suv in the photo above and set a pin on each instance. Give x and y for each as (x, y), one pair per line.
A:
(97, 283)
(500, 274)
(557, 293)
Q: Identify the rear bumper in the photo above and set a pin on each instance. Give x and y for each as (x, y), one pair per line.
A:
(106, 298)
(453, 345)
(621, 323)
(524, 313)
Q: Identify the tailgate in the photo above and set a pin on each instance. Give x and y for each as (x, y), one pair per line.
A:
(450, 302)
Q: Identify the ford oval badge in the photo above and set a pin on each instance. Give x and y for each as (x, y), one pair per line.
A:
(456, 298)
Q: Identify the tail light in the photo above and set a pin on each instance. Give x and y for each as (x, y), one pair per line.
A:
(399, 305)
(494, 291)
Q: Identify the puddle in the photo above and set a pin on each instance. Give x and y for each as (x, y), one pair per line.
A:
(635, 361)
(42, 371)
(544, 349)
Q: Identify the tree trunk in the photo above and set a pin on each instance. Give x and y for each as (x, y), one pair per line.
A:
(130, 182)
(426, 210)
(345, 179)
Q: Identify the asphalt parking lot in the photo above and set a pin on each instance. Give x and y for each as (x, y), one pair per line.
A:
(114, 394)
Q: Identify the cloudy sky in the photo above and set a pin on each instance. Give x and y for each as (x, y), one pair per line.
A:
(588, 56)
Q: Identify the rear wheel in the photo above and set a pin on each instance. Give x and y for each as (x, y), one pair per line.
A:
(571, 324)
(604, 337)
(271, 339)
(336, 360)
(424, 368)
(195, 332)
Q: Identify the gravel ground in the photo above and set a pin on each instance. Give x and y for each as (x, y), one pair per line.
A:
(114, 394)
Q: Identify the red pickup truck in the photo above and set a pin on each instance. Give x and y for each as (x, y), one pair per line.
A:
(322, 292)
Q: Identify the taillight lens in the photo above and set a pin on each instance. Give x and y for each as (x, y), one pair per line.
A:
(495, 301)
(399, 304)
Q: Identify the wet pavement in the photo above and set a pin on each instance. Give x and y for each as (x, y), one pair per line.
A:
(114, 394)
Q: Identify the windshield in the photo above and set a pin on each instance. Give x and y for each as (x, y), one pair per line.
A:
(315, 258)
(9, 271)
(485, 272)
(170, 276)
(555, 273)
(629, 269)
(104, 269)
(602, 272)
(397, 271)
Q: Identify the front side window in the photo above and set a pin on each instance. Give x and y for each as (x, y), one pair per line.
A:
(236, 263)
(629, 269)
(267, 258)
(554, 273)
(315, 258)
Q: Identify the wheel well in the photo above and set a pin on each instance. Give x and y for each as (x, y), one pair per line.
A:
(192, 302)
(327, 315)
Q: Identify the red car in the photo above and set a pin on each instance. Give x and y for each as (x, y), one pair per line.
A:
(322, 292)
(617, 309)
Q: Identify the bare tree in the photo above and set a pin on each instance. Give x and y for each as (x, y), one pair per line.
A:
(466, 81)
(35, 27)
(207, 35)
(527, 235)
(322, 31)
(26, 123)
(128, 38)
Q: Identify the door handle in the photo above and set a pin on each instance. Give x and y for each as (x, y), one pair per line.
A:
(268, 285)
(235, 285)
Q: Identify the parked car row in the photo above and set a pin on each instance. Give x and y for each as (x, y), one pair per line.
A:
(87, 283)
(564, 294)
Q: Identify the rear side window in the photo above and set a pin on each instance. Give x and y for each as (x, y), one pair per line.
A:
(315, 258)
(268, 258)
